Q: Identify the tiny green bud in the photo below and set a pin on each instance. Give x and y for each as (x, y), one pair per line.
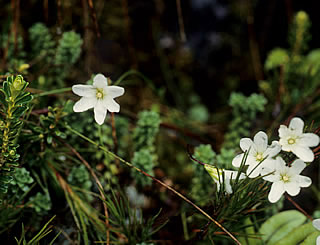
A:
(301, 17)
(12, 152)
(18, 83)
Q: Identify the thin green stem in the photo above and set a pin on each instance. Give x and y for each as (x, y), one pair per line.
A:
(154, 179)
(55, 91)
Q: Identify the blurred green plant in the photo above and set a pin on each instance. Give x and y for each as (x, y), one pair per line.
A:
(144, 136)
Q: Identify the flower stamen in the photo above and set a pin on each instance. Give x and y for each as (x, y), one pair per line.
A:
(284, 178)
(259, 157)
(99, 94)
(291, 141)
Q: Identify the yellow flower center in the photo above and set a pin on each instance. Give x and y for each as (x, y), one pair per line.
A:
(259, 157)
(291, 141)
(284, 178)
(99, 94)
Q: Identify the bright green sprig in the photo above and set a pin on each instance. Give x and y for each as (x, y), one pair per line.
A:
(14, 100)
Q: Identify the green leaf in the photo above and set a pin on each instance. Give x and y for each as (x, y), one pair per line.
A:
(297, 235)
(3, 98)
(270, 228)
(25, 98)
(6, 90)
(19, 111)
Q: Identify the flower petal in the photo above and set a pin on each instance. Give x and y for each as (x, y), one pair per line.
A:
(254, 170)
(245, 144)
(280, 164)
(100, 81)
(99, 112)
(316, 224)
(296, 124)
(276, 192)
(84, 90)
(303, 152)
(304, 181)
(292, 188)
(297, 166)
(261, 141)
(309, 139)
(272, 150)
(283, 131)
(112, 106)
(114, 91)
(227, 186)
(236, 162)
(84, 104)
(318, 240)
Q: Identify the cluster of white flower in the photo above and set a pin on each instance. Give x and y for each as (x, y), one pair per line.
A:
(263, 159)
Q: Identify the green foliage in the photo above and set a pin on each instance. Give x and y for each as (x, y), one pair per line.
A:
(276, 58)
(43, 46)
(146, 130)
(143, 159)
(46, 229)
(299, 34)
(41, 202)
(144, 136)
(202, 184)
(244, 112)
(14, 103)
(14, 47)
(129, 221)
(69, 49)
(80, 177)
(287, 227)
(21, 180)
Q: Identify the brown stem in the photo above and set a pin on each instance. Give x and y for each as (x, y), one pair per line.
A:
(125, 8)
(181, 24)
(94, 18)
(298, 207)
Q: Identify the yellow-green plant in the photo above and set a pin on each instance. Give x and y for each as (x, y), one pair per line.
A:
(14, 103)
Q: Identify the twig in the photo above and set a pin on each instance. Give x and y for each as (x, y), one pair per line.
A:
(94, 18)
(99, 185)
(156, 180)
(298, 207)
(181, 24)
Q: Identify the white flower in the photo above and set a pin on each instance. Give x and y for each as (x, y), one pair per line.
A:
(284, 178)
(217, 176)
(98, 96)
(293, 139)
(258, 151)
(316, 224)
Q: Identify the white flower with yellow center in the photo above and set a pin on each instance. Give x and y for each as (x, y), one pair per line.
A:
(217, 176)
(293, 139)
(259, 153)
(98, 96)
(284, 178)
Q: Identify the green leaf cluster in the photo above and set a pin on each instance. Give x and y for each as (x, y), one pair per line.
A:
(287, 227)
(144, 136)
(244, 112)
(14, 104)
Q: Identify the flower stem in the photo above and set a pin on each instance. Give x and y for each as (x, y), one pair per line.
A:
(55, 91)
